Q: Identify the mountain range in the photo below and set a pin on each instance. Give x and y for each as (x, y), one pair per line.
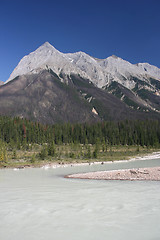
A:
(50, 86)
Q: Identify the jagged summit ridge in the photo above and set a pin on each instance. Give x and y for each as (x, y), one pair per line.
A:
(100, 71)
(46, 56)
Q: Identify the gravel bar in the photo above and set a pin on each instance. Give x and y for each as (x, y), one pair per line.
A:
(149, 174)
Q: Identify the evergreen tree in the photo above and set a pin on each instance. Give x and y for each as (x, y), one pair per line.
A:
(51, 149)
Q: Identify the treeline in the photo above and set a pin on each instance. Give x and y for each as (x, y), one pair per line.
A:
(21, 132)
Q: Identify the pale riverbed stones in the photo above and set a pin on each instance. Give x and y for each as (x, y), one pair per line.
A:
(152, 174)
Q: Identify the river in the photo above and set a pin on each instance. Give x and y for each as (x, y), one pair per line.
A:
(40, 204)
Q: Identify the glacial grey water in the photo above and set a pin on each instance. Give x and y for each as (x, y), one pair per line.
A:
(39, 204)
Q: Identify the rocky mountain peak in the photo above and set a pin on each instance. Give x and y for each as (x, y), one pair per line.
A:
(47, 47)
(114, 56)
(47, 44)
(100, 71)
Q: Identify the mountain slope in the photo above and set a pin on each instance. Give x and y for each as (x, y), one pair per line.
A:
(50, 86)
(43, 97)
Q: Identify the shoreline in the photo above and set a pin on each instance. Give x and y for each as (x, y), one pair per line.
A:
(153, 155)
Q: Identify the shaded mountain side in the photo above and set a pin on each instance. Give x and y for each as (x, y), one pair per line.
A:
(110, 107)
(1, 83)
(43, 97)
(127, 96)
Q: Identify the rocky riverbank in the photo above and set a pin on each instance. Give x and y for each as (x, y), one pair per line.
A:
(151, 174)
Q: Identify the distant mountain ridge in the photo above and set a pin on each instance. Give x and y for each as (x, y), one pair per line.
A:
(97, 89)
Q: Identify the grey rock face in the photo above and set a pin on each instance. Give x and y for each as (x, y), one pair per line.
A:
(101, 72)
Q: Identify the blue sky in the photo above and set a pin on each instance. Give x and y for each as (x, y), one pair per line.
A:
(128, 29)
